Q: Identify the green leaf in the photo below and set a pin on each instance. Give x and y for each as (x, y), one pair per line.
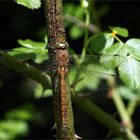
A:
(90, 76)
(101, 42)
(40, 93)
(114, 56)
(69, 9)
(31, 4)
(76, 32)
(20, 114)
(32, 44)
(79, 12)
(31, 50)
(120, 31)
(46, 39)
(129, 72)
(134, 47)
(13, 128)
(86, 81)
(22, 54)
(126, 93)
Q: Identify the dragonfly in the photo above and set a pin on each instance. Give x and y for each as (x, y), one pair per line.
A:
(85, 75)
(88, 75)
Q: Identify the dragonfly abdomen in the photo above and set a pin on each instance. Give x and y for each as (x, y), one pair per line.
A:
(64, 103)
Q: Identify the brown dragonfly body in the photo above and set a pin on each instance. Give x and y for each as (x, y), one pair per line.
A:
(62, 62)
(59, 55)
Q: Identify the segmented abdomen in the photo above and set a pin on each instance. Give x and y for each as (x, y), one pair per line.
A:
(64, 101)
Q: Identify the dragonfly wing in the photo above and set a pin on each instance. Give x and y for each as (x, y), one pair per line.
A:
(108, 61)
(91, 72)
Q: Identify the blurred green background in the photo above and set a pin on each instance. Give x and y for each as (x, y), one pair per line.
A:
(22, 115)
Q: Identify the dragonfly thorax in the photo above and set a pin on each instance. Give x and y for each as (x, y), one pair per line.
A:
(62, 61)
(62, 71)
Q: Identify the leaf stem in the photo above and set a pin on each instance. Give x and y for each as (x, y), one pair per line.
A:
(126, 120)
(87, 23)
(84, 50)
(118, 39)
(131, 107)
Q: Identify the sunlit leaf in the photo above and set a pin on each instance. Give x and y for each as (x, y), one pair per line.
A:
(21, 53)
(101, 42)
(129, 72)
(114, 56)
(30, 50)
(41, 57)
(32, 44)
(120, 31)
(90, 76)
(31, 4)
(134, 47)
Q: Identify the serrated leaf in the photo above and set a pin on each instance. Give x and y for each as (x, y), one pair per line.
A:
(120, 31)
(134, 47)
(31, 4)
(101, 42)
(75, 32)
(129, 72)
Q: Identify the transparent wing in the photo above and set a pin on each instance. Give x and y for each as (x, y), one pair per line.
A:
(93, 70)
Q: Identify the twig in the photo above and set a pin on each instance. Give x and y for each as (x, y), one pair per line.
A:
(78, 22)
